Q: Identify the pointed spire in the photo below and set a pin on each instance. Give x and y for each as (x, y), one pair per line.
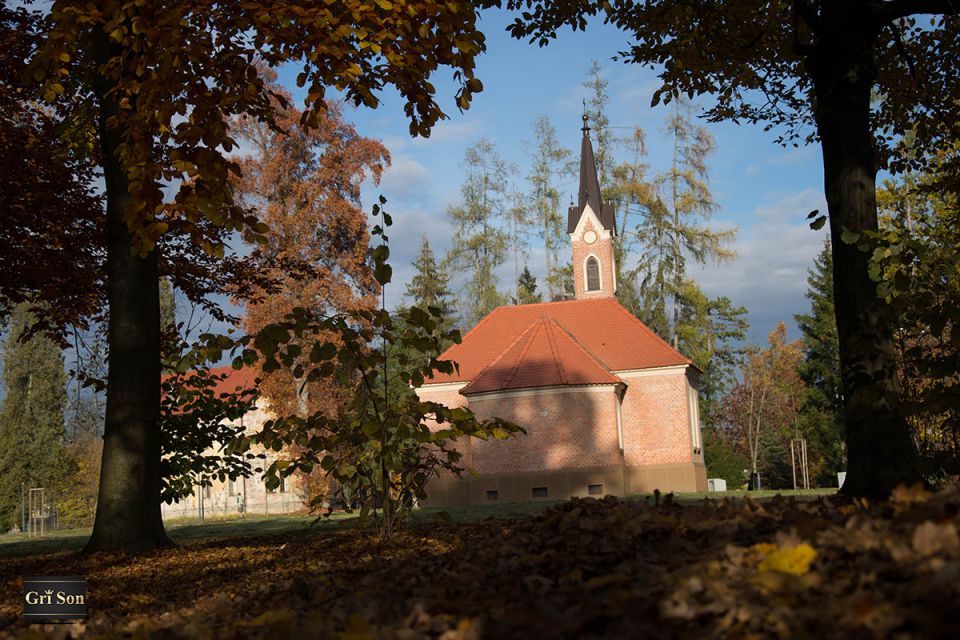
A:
(589, 184)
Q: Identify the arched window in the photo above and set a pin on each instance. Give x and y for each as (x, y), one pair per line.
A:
(593, 274)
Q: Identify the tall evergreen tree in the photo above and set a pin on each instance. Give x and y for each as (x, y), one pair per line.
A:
(520, 220)
(430, 287)
(633, 194)
(480, 243)
(527, 288)
(674, 229)
(31, 420)
(710, 332)
(596, 109)
(549, 160)
(822, 409)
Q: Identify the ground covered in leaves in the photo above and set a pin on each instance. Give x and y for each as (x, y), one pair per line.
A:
(588, 568)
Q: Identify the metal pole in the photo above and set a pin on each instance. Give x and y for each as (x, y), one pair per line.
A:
(23, 508)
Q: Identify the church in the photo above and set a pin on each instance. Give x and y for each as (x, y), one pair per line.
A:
(609, 407)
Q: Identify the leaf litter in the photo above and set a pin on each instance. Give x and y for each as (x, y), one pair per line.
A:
(588, 568)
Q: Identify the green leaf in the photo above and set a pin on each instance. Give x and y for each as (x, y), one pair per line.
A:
(848, 236)
(382, 273)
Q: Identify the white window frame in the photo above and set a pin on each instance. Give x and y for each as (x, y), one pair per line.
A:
(693, 406)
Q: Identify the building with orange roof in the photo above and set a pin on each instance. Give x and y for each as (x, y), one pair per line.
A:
(609, 407)
(244, 495)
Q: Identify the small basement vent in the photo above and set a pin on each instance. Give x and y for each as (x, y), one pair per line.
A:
(595, 489)
(493, 495)
(540, 492)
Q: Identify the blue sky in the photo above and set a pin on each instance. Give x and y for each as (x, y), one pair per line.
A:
(763, 189)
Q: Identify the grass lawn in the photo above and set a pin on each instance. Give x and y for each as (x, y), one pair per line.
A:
(187, 530)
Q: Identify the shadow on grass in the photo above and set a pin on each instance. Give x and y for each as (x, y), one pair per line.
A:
(513, 510)
(191, 532)
(180, 532)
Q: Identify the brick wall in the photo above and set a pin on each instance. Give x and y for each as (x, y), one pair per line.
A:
(566, 428)
(449, 395)
(602, 249)
(572, 442)
(656, 418)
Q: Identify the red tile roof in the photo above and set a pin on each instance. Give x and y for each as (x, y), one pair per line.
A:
(542, 356)
(237, 379)
(605, 330)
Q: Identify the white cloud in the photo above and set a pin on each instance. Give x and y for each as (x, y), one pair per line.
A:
(410, 224)
(801, 156)
(774, 253)
(405, 180)
(461, 130)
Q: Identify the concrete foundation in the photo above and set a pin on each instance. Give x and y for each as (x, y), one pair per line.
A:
(567, 483)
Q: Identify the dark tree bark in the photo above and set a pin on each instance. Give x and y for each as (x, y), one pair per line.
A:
(881, 453)
(128, 507)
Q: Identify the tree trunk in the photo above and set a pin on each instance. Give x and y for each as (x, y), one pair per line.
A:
(881, 452)
(128, 507)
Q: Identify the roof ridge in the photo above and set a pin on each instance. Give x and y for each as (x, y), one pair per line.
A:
(552, 341)
(643, 326)
(523, 352)
(495, 360)
(597, 361)
(581, 345)
(538, 304)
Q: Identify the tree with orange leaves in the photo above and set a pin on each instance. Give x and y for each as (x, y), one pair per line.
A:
(762, 410)
(305, 185)
(159, 84)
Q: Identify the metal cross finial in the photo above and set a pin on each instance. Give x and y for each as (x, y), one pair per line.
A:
(586, 127)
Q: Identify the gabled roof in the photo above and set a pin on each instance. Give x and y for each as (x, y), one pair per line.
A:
(603, 328)
(542, 356)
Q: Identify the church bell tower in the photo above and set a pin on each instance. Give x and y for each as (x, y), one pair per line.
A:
(591, 226)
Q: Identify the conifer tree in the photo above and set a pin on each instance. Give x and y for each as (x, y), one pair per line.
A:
(596, 110)
(527, 288)
(674, 229)
(479, 242)
(633, 194)
(549, 160)
(709, 333)
(822, 410)
(31, 419)
(430, 287)
(520, 220)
